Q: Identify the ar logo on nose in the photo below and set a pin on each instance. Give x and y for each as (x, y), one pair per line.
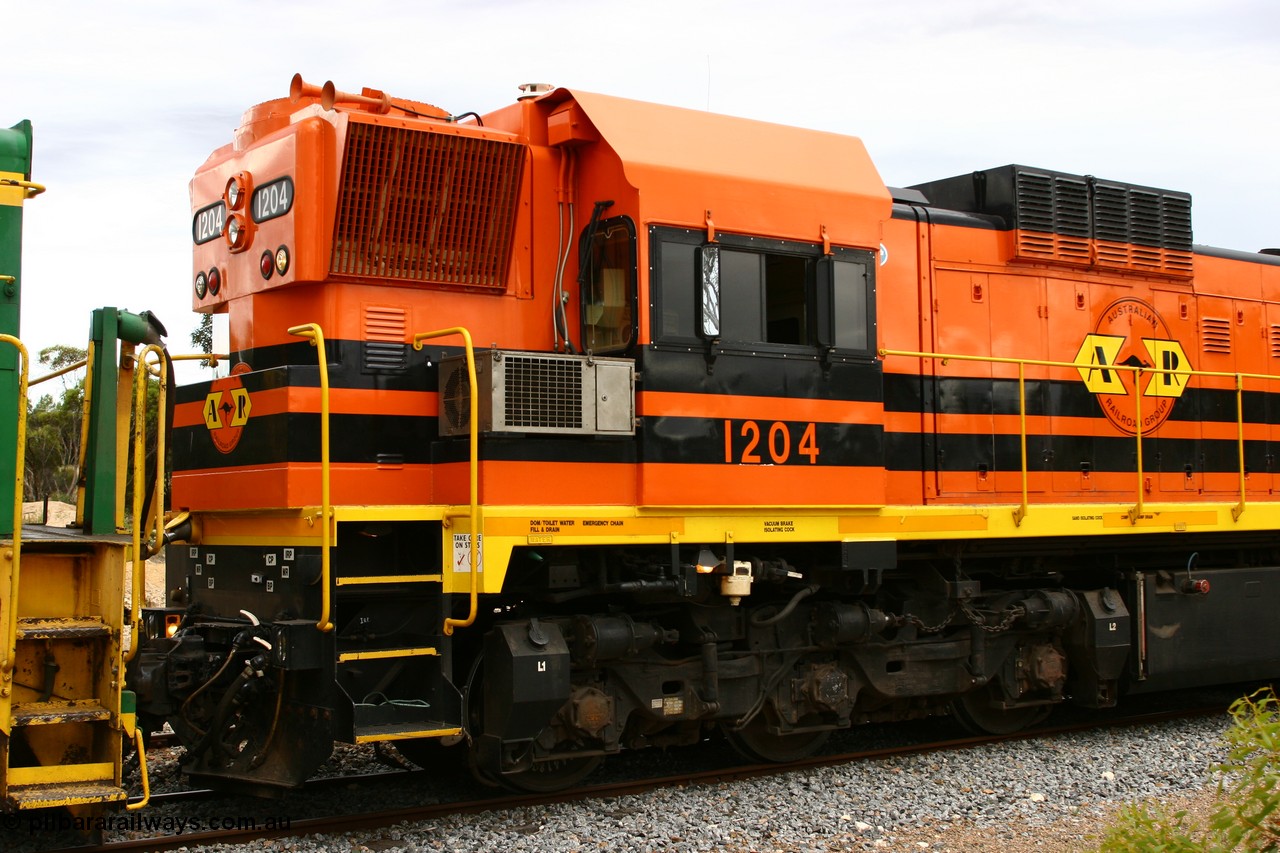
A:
(226, 409)
(1132, 334)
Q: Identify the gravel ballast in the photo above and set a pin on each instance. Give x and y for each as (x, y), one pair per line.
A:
(1048, 793)
(1034, 791)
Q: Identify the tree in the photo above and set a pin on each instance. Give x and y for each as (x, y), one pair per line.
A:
(1247, 817)
(53, 431)
(202, 336)
(54, 428)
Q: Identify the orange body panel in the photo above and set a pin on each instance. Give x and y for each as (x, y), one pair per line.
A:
(761, 408)
(298, 485)
(744, 485)
(341, 401)
(949, 284)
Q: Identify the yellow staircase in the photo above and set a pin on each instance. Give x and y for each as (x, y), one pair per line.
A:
(61, 725)
(64, 715)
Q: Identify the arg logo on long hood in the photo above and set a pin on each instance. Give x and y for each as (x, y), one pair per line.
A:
(1132, 334)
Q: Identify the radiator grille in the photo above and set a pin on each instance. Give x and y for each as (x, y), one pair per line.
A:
(543, 393)
(1141, 229)
(1053, 218)
(1084, 221)
(420, 206)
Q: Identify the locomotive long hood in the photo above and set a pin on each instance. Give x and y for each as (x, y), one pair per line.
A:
(752, 176)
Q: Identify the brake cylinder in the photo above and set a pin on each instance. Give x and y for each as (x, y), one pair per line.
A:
(837, 623)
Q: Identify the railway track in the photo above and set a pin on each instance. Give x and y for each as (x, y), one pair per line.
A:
(482, 801)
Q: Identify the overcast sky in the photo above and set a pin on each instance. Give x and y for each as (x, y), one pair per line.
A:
(129, 99)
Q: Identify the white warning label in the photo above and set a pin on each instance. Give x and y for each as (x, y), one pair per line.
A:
(462, 552)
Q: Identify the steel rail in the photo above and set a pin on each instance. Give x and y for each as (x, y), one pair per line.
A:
(344, 823)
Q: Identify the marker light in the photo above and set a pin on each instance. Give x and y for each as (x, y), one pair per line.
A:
(282, 260)
(707, 562)
(202, 285)
(215, 281)
(1200, 586)
(266, 264)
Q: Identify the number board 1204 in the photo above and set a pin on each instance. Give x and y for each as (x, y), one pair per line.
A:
(272, 200)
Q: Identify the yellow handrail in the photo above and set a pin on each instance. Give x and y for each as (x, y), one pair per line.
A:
(32, 188)
(20, 463)
(1135, 512)
(86, 409)
(211, 357)
(156, 369)
(142, 769)
(139, 474)
(450, 623)
(60, 372)
(1238, 510)
(1021, 512)
(312, 332)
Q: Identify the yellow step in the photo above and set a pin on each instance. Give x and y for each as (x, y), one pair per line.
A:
(62, 628)
(46, 796)
(52, 713)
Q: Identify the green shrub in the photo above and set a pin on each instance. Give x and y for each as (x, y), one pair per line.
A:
(1245, 819)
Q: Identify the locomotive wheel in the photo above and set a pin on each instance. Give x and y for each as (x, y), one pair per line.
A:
(978, 713)
(756, 743)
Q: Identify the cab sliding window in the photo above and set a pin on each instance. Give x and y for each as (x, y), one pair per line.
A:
(762, 294)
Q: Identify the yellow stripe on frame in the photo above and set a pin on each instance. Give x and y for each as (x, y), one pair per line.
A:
(408, 735)
(356, 580)
(375, 654)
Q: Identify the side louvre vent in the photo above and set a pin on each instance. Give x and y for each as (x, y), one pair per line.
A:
(1142, 230)
(521, 392)
(1077, 220)
(1215, 335)
(419, 206)
(1275, 341)
(1053, 218)
(385, 348)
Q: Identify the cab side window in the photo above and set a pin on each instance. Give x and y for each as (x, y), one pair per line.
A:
(852, 319)
(768, 295)
(762, 297)
(609, 288)
(676, 289)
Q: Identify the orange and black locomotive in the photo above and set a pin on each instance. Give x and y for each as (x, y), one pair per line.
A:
(590, 424)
